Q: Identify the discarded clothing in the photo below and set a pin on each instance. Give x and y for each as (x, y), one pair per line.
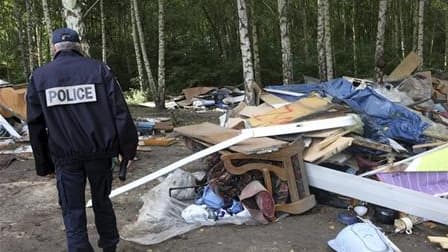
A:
(389, 119)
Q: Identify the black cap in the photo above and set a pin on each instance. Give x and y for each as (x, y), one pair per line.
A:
(64, 34)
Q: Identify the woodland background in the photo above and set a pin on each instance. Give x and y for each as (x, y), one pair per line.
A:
(202, 41)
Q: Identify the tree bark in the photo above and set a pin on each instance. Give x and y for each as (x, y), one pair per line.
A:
(379, 51)
(327, 38)
(29, 36)
(152, 83)
(320, 41)
(415, 26)
(287, 65)
(305, 32)
(445, 63)
(48, 27)
(73, 19)
(21, 45)
(253, 25)
(421, 12)
(37, 34)
(246, 54)
(103, 33)
(161, 81)
(354, 40)
(400, 14)
(138, 56)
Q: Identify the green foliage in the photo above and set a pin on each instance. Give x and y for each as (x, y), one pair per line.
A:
(135, 96)
(202, 43)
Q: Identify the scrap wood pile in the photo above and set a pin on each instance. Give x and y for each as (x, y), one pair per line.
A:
(396, 133)
(13, 128)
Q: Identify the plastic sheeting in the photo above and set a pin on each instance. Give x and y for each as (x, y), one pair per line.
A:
(160, 217)
(384, 118)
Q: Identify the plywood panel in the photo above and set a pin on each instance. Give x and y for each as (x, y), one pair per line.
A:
(290, 112)
(213, 134)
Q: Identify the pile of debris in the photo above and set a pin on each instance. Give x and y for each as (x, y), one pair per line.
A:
(13, 129)
(329, 136)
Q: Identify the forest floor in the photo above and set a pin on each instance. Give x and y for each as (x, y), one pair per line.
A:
(30, 217)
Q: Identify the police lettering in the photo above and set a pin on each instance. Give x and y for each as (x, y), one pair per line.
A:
(70, 95)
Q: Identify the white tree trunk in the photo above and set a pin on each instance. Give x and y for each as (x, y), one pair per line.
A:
(445, 63)
(415, 26)
(29, 36)
(161, 81)
(37, 35)
(402, 45)
(320, 40)
(103, 33)
(138, 56)
(73, 19)
(327, 38)
(287, 65)
(354, 40)
(305, 32)
(21, 45)
(253, 24)
(421, 14)
(246, 53)
(152, 83)
(379, 51)
(48, 26)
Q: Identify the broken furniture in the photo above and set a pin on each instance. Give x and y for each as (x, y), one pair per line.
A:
(291, 170)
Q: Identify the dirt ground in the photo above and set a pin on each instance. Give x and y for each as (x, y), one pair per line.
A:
(30, 218)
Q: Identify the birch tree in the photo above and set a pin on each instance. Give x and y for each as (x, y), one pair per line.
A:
(445, 62)
(73, 19)
(354, 39)
(20, 35)
(320, 41)
(103, 33)
(29, 36)
(138, 56)
(246, 54)
(400, 14)
(305, 32)
(421, 13)
(48, 26)
(379, 51)
(254, 32)
(161, 80)
(327, 39)
(287, 65)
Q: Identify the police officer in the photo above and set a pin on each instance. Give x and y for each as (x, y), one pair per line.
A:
(78, 120)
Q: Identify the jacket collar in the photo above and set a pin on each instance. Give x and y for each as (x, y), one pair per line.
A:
(69, 53)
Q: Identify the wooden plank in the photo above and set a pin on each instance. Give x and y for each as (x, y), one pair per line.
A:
(273, 101)
(438, 239)
(213, 134)
(379, 193)
(291, 112)
(405, 68)
(315, 153)
(367, 143)
(324, 133)
(159, 141)
(251, 111)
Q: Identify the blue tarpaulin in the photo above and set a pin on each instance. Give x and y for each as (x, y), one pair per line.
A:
(382, 117)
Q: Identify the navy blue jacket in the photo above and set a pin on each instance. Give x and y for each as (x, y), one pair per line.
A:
(76, 111)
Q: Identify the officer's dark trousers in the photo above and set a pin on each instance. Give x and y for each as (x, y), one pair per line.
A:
(71, 183)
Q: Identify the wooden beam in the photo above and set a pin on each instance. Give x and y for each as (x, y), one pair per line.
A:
(379, 193)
